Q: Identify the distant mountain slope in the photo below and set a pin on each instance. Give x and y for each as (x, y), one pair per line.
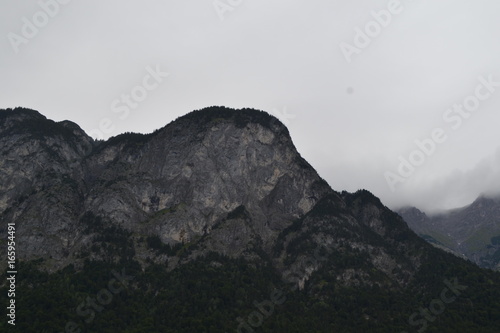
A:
(213, 223)
(472, 231)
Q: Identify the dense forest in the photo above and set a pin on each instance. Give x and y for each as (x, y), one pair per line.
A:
(219, 294)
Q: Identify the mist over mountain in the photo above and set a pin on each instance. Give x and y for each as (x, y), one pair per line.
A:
(214, 223)
(460, 188)
(472, 231)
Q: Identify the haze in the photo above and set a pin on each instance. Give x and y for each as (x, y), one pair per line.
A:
(398, 97)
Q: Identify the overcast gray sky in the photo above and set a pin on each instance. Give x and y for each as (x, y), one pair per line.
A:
(357, 82)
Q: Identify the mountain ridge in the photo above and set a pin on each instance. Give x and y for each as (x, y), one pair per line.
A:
(467, 231)
(101, 163)
(224, 197)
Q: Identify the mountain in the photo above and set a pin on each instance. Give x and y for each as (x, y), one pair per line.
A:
(472, 231)
(213, 223)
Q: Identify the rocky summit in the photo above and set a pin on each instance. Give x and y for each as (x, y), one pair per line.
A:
(212, 214)
(195, 178)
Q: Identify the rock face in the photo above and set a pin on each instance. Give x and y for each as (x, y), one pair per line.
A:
(42, 182)
(472, 232)
(214, 180)
(209, 216)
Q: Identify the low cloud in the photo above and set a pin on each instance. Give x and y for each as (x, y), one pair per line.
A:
(459, 188)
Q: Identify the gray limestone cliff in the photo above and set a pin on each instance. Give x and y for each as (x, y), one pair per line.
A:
(222, 180)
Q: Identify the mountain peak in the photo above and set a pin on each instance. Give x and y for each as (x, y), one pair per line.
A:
(205, 201)
(487, 199)
(240, 117)
(20, 112)
(33, 124)
(467, 231)
(11, 118)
